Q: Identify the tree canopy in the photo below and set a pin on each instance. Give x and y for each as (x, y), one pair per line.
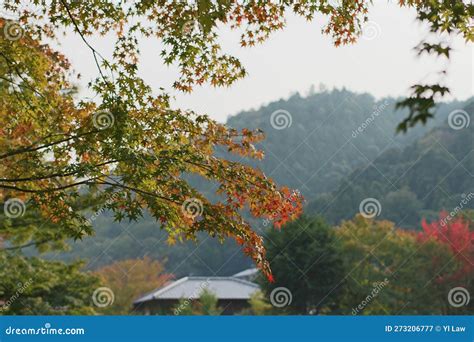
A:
(370, 267)
(130, 150)
(32, 286)
(306, 264)
(128, 280)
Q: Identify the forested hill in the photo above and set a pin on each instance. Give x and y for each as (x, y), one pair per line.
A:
(313, 154)
(323, 137)
(432, 174)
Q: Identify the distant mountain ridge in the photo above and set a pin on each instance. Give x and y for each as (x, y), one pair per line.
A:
(332, 133)
(431, 174)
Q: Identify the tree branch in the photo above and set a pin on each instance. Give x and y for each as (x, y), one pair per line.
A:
(33, 149)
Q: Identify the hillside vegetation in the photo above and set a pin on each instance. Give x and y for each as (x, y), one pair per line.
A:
(317, 154)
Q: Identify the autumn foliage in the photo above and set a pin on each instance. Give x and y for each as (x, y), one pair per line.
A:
(455, 233)
(128, 154)
(129, 279)
(63, 156)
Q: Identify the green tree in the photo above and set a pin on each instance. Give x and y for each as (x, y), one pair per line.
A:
(388, 270)
(32, 286)
(259, 305)
(305, 260)
(402, 207)
(207, 304)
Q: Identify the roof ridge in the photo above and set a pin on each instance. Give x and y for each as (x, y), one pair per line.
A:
(209, 277)
(247, 270)
(239, 280)
(161, 291)
(169, 286)
(245, 281)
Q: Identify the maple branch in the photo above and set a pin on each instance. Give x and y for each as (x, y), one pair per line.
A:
(62, 174)
(87, 181)
(11, 64)
(31, 149)
(209, 169)
(95, 53)
(144, 192)
(29, 244)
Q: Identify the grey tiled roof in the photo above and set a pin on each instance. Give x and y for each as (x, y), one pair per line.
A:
(192, 287)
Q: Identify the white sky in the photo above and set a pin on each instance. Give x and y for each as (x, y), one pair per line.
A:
(299, 56)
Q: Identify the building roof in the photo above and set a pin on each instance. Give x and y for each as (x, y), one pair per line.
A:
(246, 274)
(192, 287)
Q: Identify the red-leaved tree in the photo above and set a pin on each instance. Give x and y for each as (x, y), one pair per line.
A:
(454, 232)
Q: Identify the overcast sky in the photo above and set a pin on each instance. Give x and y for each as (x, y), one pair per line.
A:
(382, 62)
